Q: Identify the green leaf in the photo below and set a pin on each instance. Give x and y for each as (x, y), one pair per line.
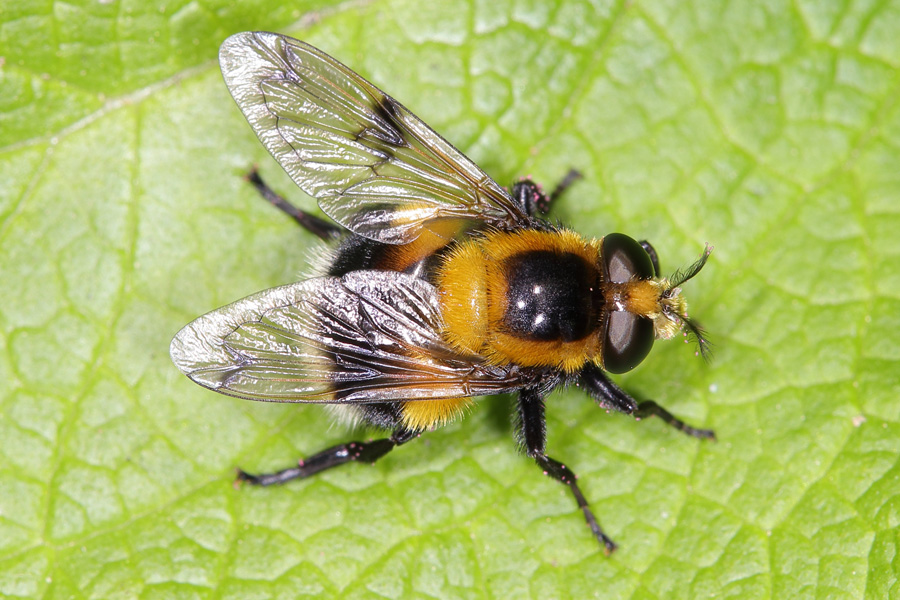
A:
(769, 129)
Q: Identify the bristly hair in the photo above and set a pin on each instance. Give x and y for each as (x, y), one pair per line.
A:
(699, 335)
(693, 329)
(679, 276)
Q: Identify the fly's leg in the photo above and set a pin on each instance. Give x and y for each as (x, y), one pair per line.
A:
(649, 408)
(534, 435)
(532, 198)
(654, 257)
(366, 452)
(609, 395)
(571, 177)
(313, 224)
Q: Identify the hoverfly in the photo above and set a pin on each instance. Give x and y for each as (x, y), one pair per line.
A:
(441, 286)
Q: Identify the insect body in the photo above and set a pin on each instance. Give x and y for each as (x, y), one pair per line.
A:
(443, 286)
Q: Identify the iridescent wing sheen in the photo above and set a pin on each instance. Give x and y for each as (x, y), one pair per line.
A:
(369, 336)
(373, 166)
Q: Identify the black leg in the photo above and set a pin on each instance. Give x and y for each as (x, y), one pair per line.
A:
(367, 452)
(313, 224)
(533, 427)
(649, 408)
(532, 198)
(654, 257)
(611, 396)
(571, 177)
(605, 392)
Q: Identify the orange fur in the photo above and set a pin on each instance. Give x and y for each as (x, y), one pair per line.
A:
(642, 298)
(569, 356)
(472, 286)
(428, 414)
(462, 284)
(501, 245)
(430, 240)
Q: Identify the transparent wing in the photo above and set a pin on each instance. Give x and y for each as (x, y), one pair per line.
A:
(370, 336)
(373, 166)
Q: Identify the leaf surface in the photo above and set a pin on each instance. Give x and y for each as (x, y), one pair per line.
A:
(769, 129)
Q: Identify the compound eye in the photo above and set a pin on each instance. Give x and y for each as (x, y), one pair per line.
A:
(625, 259)
(629, 338)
